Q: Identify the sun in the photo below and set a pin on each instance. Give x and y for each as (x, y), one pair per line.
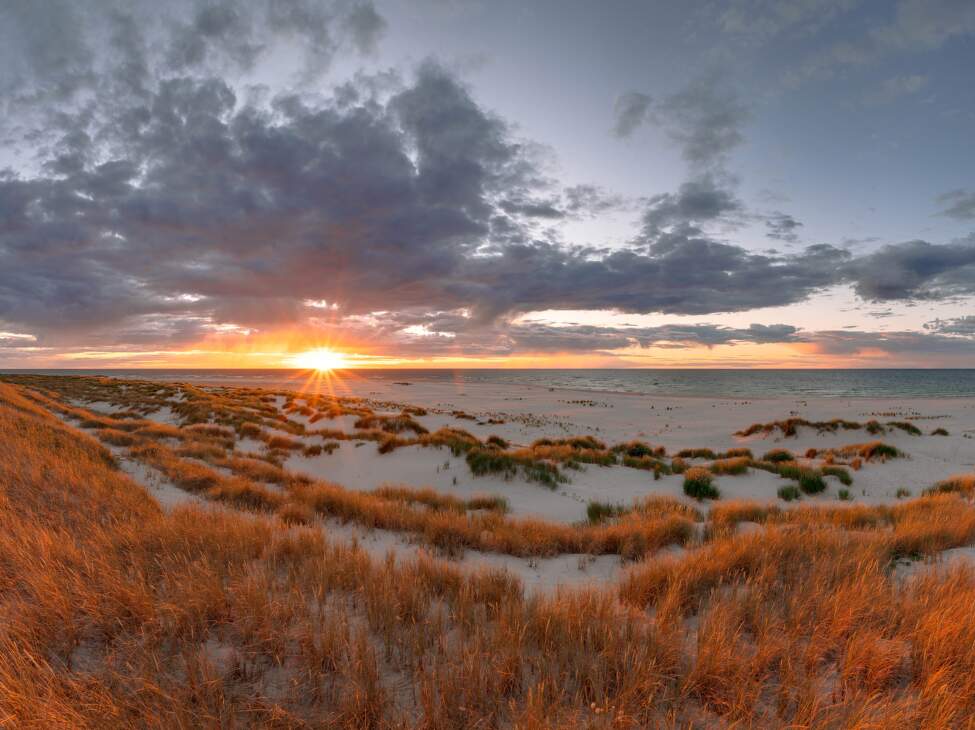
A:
(321, 359)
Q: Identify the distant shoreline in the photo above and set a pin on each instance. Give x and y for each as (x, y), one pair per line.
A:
(859, 383)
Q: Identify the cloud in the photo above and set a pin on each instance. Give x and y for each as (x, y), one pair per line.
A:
(914, 26)
(897, 87)
(60, 58)
(762, 20)
(782, 227)
(962, 326)
(960, 204)
(922, 344)
(537, 337)
(696, 202)
(704, 118)
(915, 270)
(182, 206)
(589, 201)
(632, 109)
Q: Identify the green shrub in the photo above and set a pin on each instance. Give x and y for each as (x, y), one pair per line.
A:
(940, 432)
(789, 493)
(778, 455)
(699, 484)
(844, 494)
(840, 473)
(489, 461)
(811, 481)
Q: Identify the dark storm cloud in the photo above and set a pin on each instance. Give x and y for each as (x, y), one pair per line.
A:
(959, 204)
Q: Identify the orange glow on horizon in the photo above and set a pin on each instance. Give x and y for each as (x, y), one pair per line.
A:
(321, 359)
(324, 358)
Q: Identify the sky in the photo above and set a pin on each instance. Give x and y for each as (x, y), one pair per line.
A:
(465, 183)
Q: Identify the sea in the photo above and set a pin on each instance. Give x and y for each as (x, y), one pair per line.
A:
(928, 383)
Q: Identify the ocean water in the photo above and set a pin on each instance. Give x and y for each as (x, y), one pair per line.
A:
(729, 383)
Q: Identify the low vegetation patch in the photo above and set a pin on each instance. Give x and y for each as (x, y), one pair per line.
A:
(699, 484)
(789, 493)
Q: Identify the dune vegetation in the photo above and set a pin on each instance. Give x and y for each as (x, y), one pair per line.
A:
(118, 613)
(208, 423)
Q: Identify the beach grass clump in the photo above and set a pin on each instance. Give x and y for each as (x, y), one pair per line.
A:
(732, 465)
(657, 506)
(639, 449)
(483, 461)
(488, 503)
(940, 432)
(811, 481)
(844, 495)
(457, 440)
(736, 452)
(905, 426)
(902, 492)
(963, 484)
(699, 484)
(293, 514)
(839, 472)
(699, 453)
(567, 453)
(778, 455)
(497, 442)
(283, 443)
(789, 493)
(490, 461)
(599, 512)
(575, 442)
(397, 424)
(115, 437)
(647, 463)
(249, 429)
(725, 515)
(872, 451)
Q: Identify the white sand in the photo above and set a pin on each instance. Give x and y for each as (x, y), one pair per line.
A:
(674, 422)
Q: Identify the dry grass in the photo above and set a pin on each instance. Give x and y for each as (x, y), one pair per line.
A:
(116, 614)
(789, 427)
(958, 484)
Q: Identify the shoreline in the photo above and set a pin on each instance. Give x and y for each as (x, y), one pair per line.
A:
(269, 378)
